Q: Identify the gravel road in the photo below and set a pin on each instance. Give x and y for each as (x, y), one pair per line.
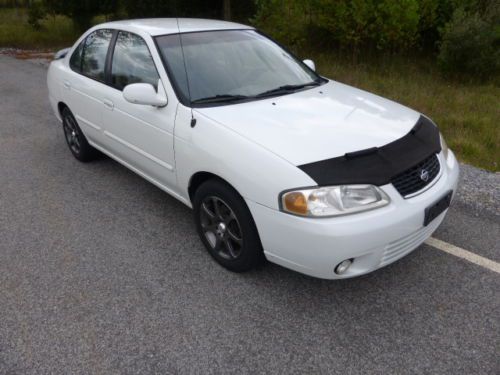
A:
(102, 273)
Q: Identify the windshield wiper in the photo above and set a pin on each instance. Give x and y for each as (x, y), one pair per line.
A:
(286, 89)
(224, 98)
(220, 98)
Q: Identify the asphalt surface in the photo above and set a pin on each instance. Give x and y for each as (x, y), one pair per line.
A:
(103, 273)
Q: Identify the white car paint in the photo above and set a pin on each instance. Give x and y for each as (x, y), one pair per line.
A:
(325, 122)
(256, 147)
(375, 238)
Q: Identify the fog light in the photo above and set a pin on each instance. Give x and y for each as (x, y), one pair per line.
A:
(343, 266)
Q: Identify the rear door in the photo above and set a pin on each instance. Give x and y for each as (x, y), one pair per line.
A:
(83, 88)
(140, 135)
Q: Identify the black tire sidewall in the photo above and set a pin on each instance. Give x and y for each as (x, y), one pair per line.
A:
(252, 253)
(87, 152)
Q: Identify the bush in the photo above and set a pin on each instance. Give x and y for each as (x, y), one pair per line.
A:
(80, 11)
(434, 14)
(350, 24)
(240, 9)
(471, 45)
(395, 24)
(36, 13)
(284, 20)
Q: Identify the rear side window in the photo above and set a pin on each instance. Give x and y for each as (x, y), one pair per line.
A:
(132, 62)
(95, 49)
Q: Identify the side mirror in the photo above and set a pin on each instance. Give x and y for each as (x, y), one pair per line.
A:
(145, 93)
(310, 64)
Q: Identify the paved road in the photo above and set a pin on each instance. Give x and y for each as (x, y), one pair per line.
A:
(102, 273)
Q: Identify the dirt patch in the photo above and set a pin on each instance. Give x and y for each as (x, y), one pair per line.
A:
(37, 57)
(28, 54)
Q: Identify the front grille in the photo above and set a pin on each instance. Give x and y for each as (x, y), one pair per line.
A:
(413, 179)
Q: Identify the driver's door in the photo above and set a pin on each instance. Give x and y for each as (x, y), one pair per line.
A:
(139, 135)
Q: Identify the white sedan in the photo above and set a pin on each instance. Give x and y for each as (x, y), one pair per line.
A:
(276, 161)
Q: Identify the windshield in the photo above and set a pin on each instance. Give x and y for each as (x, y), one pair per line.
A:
(222, 66)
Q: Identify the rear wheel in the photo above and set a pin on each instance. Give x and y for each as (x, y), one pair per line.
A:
(77, 143)
(226, 227)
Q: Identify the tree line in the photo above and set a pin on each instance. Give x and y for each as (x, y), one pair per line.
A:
(463, 35)
(83, 11)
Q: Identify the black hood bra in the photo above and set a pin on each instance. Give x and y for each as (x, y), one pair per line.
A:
(378, 165)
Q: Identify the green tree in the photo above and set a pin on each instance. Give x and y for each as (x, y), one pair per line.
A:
(434, 14)
(150, 8)
(285, 20)
(81, 11)
(240, 10)
(395, 24)
(349, 24)
(471, 42)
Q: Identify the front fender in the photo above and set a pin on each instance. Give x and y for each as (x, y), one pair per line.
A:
(256, 173)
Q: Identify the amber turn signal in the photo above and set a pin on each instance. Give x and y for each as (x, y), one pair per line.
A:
(295, 202)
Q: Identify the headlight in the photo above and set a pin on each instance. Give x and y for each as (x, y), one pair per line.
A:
(444, 146)
(333, 200)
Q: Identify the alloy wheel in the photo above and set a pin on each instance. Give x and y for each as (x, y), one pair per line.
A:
(221, 228)
(72, 135)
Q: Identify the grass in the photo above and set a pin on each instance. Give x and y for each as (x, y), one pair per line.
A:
(56, 32)
(468, 114)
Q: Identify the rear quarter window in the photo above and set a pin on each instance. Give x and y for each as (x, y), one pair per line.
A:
(75, 62)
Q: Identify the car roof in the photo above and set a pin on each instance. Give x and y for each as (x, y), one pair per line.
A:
(162, 26)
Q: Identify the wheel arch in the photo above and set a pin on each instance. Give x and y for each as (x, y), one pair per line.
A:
(60, 106)
(200, 177)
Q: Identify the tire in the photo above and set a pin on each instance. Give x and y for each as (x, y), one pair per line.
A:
(226, 227)
(77, 143)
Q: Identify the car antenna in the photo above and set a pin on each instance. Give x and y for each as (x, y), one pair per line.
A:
(193, 120)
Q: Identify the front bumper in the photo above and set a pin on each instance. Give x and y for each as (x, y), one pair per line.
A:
(314, 246)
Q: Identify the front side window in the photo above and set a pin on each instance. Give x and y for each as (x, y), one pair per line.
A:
(132, 62)
(231, 64)
(95, 49)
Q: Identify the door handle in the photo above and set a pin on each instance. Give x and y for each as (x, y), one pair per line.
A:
(109, 104)
(67, 84)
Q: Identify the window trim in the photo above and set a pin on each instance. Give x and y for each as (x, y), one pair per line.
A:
(175, 86)
(109, 58)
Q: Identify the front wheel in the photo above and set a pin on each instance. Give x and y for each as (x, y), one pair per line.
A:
(226, 227)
